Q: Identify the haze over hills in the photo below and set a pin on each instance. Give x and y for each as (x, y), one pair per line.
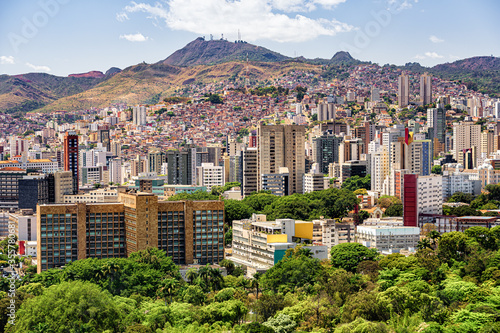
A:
(200, 61)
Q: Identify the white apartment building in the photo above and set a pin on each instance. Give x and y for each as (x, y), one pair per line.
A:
(330, 233)
(139, 115)
(459, 182)
(25, 224)
(430, 194)
(115, 170)
(379, 168)
(210, 175)
(388, 239)
(314, 180)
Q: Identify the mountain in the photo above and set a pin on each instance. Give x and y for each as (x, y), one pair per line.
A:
(211, 52)
(201, 62)
(477, 73)
(150, 83)
(94, 74)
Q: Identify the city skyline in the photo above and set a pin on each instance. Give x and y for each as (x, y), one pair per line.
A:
(63, 37)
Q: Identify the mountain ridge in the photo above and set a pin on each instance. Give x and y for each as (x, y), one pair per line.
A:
(193, 64)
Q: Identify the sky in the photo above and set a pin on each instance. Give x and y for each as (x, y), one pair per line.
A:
(63, 37)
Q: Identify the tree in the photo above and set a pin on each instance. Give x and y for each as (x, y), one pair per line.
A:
(349, 255)
(297, 268)
(356, 182)
(394, 210)
(168, 287)
(386, 200)
(236, 210)
(436, 169)
(452, 245)
(214, 99)
(282, 323)
(70, 306)
(194, 295)
(461, 197)
(259, 201)
(191, 274)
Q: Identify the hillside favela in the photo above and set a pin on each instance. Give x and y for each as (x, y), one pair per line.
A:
(237, 166)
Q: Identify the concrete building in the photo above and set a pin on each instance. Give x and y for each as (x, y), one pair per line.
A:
(63, 185)
(314, 180)
(465, 136)
(458, 182)
(99, 195)
(436, 119)
(403, 91)
(330, 233)
(250, 174)
(388, 239)
(9, 187)
(283, 146)
(425, 89)
(189, 231)
(34, 189)
(260, 245)
(156, 158)
(139, 115)
(379, 168)
(70, 145)
(325, 150)
(277, 183)
(210, 175)
(180, 167)
(24, 222)
(422, 195)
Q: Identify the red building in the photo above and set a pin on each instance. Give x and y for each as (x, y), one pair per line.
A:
(410, 201)
(71, 157)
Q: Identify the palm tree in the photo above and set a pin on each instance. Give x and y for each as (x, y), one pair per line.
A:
(216, 279)
(110, 269)
(191, 275)
(169, 285)
(424, 244)
(255, 284)
(434, 236)
(204, 275)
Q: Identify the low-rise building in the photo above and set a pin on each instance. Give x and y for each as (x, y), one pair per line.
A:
(388, 239)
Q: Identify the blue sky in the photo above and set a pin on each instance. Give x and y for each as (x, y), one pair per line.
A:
(62, 37)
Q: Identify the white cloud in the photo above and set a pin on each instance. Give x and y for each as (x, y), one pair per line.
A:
(429, 55)
(6, 60)
(396, 6)
(122, 17)
(254, 18)
(435, 39)
(138, 37)
(38, 68)
(304, 5)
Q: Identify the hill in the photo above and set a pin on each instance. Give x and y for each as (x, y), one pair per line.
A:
(211, 52)
(477, 73)
(149, 83)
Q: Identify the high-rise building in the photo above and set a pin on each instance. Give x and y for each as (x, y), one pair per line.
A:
(487, 143)
(116, 148)
(465, 136)
(63, 185)
(314, 180)
(379, 168)
(403, 91)
(375, 95)
(180, 167)
(326, 150)
(34, 189)
(283, 146)
(71, 157)
(326, 111)
(277, 183)
(425, 89)
(137, 166)
(155, 160)
(9, 186)
(419, 157)
(115, 170)
(422, 195)
(139, 115)
(250, 171)
(436, 119)
(191, 232)
(210, 175)
(497, 110)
